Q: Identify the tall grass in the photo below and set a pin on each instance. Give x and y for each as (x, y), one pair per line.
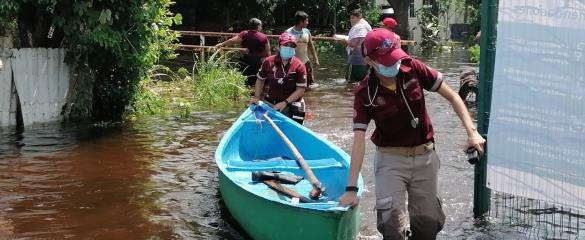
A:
(218, 83)
(213, 83)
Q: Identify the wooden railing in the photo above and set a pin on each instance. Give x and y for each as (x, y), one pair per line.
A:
(203, 47)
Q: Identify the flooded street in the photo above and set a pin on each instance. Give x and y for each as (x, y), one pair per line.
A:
(156, 178)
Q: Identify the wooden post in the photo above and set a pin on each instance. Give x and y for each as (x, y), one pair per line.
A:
(202, 43)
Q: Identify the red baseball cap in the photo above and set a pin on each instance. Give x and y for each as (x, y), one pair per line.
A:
(389, 22)
(382, 46)
(285, 38)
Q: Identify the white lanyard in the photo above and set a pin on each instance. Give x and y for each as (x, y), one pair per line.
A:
(413, 122)
(371, 98)
(279, 80)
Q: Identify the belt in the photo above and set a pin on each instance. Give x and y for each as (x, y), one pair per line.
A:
(409, 151)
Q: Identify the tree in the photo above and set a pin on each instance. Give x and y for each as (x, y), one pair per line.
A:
(111, 45)
(401, 8)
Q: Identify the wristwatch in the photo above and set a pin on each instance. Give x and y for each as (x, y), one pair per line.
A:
(351, 189)
(286, 101)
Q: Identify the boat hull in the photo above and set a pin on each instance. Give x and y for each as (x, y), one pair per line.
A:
(265, 219)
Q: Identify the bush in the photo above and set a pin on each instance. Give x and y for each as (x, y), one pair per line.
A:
(429, 27)
(474, 52)
(115, 42)
(218, 83)
(213, 83)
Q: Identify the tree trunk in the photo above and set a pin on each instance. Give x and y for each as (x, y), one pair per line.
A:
(401, 16)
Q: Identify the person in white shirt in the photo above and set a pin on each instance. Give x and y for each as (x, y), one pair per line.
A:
(357, 68)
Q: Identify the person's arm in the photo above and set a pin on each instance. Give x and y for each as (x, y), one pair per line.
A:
(267, 46)
(258, 87)
(355, 42)
(232, 41)
(432, 80)
(358, 150)
(313, 50)
(260, 78)
(474, 139)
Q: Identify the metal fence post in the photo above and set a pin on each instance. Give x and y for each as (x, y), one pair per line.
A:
(489, 19)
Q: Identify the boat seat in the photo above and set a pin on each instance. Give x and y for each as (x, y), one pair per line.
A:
(281, 164)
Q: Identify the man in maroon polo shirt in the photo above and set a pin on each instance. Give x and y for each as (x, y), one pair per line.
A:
(286, 78)
(258, 48)
(405, 160)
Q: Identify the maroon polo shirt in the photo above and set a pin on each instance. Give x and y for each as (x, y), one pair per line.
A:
(281, 80)
(388, 110)
(255, 42)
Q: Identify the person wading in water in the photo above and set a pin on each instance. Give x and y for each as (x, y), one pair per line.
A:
(258, 48)
(405, 159)
(304, 44)
(286, 78)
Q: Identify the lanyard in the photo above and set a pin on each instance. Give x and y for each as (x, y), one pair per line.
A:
(279, 80)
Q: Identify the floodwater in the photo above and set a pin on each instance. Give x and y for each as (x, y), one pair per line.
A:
(156, 178)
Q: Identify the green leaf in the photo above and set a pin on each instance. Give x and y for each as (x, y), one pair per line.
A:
(103, 18)
(178, 19)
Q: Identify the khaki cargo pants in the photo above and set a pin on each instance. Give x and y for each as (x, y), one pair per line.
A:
(395, 176)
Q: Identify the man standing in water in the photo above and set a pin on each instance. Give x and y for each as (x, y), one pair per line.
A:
(304, 44)
(258, 48)
(286, 78)
(356, 67)
(405, 159)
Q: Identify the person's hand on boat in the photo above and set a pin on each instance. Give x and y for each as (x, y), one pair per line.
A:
(279, 106)
(254, 100)
(475, 140)
(348, 199)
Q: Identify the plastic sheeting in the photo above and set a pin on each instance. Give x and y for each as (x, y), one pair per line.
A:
(7, 116)
(41, 79)
(537, 124)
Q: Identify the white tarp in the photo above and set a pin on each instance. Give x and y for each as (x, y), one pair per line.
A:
(537, 123)
(42, 81)
(6, 115)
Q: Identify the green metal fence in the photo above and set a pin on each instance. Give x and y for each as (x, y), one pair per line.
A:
(489, 18)
(531, 218)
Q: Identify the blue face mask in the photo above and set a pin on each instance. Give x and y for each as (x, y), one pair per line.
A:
(391, 71)
(286, 53)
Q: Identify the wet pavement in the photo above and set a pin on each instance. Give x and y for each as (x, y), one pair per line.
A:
(156, 178)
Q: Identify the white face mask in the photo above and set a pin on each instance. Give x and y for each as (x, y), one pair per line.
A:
(286, 53)
(391, 71)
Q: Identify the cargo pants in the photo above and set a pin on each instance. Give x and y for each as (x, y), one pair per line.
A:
(395, 176)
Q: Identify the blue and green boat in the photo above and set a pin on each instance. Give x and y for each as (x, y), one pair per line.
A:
(250, 145)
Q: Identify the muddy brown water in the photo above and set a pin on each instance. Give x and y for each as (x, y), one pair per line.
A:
(156, 178)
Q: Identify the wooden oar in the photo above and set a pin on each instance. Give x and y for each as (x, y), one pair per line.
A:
(274, 185)
(318, 189)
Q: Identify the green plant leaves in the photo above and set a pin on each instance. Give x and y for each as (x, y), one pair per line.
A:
(105, 16)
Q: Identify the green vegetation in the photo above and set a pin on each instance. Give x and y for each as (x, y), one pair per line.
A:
(213, 83)
(429, 27)
(218, 83)
(112, 43)
(371, 13)
(474, 53)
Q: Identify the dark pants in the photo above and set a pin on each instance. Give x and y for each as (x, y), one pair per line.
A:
(249, 66)
(310, 77)
(356, 73)
(294, 110)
